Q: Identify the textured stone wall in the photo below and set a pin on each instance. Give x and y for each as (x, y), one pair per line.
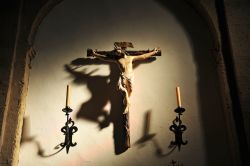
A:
(238, 12)
(16, 54)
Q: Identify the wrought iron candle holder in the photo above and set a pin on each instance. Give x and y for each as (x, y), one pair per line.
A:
(178, 128)
(69, 129)
(174, 163)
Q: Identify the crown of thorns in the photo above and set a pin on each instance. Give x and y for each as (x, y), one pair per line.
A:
(123, 45)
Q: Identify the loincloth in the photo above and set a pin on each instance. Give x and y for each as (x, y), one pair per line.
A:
(126, 81)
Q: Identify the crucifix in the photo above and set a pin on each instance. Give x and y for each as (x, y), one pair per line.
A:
(124, 59)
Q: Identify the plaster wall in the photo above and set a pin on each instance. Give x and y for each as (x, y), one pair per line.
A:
(186, 60)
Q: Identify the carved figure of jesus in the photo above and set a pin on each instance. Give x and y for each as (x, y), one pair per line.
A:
(125, 64)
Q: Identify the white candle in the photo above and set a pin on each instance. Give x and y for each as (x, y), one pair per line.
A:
(178, 96)
(67, 95)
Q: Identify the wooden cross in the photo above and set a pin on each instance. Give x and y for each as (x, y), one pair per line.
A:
(124, 59)
(123, 46)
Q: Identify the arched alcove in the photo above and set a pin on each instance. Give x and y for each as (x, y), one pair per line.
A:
(186, 45)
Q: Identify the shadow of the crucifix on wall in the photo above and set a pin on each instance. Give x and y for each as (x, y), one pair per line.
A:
(103, 89)
(147, 136)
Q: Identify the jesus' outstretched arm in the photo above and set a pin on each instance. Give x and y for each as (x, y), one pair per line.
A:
(146, 55)
(101, 57)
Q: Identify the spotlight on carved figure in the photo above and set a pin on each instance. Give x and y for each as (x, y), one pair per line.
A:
(146, 130)
(124, 59)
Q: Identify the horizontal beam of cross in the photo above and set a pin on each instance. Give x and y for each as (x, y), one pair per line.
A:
(129, 52)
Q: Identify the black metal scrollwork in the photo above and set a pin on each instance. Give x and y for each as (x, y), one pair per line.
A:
(174, 163)
(69, 129)
(178, 128)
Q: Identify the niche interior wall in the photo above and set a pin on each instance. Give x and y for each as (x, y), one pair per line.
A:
(182, 51)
